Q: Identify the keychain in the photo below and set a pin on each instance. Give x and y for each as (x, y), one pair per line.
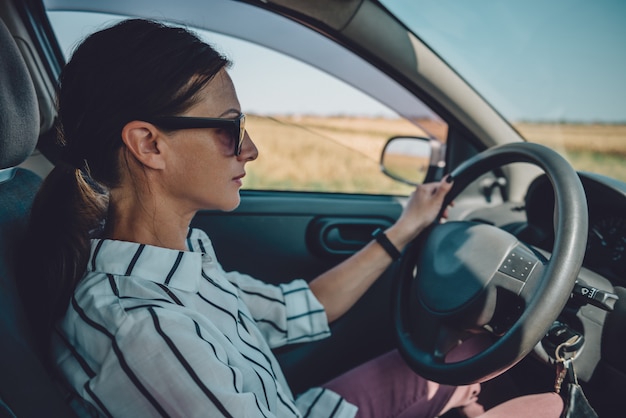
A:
(565, 363)
(575, 404)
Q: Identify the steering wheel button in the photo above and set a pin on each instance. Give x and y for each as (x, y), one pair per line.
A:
(517, 265)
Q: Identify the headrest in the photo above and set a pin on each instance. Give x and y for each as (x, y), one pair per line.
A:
(19, 115)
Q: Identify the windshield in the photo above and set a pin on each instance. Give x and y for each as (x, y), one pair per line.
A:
(556, 70)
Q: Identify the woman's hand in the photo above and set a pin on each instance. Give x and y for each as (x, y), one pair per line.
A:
(421, 210)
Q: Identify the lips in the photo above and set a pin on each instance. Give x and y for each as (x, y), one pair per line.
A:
(238, 178)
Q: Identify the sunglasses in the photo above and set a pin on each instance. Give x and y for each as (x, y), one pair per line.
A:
(236, 125)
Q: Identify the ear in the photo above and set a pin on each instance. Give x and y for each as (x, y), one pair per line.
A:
(144, 141)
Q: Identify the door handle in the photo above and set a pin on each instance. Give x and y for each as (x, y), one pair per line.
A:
(338, 236)
(347, 237)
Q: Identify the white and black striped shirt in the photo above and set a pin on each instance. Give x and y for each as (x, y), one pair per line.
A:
(159, 332)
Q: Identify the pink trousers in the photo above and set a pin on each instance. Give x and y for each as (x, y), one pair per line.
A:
(386, 387)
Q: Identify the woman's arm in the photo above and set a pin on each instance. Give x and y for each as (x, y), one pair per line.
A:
(340, 287)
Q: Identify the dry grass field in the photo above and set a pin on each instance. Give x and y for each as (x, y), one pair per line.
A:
(322, 154)
(588, 147)
(341, 154)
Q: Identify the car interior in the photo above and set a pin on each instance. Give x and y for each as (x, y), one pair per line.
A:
(296, 225)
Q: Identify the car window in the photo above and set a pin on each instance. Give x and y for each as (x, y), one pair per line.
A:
(313, 131)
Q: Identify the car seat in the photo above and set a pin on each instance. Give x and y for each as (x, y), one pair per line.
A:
(26, 390)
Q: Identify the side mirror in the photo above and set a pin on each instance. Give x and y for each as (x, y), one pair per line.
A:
(412, 160)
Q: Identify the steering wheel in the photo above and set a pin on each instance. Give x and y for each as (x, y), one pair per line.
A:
(464, 278)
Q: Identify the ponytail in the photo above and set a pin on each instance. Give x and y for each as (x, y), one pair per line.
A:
(68, 209)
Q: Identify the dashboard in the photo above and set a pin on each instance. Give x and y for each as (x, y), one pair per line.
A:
(606, 242)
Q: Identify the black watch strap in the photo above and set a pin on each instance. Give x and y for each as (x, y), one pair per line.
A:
(381, 238)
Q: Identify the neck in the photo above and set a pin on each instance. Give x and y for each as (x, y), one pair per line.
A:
(147, 221)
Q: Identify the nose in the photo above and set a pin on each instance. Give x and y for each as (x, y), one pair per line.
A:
(249, 151)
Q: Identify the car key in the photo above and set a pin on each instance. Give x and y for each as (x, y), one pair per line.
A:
(565, 363)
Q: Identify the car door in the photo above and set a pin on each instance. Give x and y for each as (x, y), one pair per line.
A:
(281, 236)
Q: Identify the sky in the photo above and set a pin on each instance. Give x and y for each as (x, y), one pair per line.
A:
(534, 59)
(500, 47)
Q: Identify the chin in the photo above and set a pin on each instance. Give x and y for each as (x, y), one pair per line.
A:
(230, 206)
(224, 204)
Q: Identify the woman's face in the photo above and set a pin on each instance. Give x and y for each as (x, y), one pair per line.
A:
(203, 172)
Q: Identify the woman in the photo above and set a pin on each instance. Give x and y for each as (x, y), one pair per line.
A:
(145, 320)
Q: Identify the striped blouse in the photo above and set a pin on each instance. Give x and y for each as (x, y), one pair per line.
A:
(159, 332)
